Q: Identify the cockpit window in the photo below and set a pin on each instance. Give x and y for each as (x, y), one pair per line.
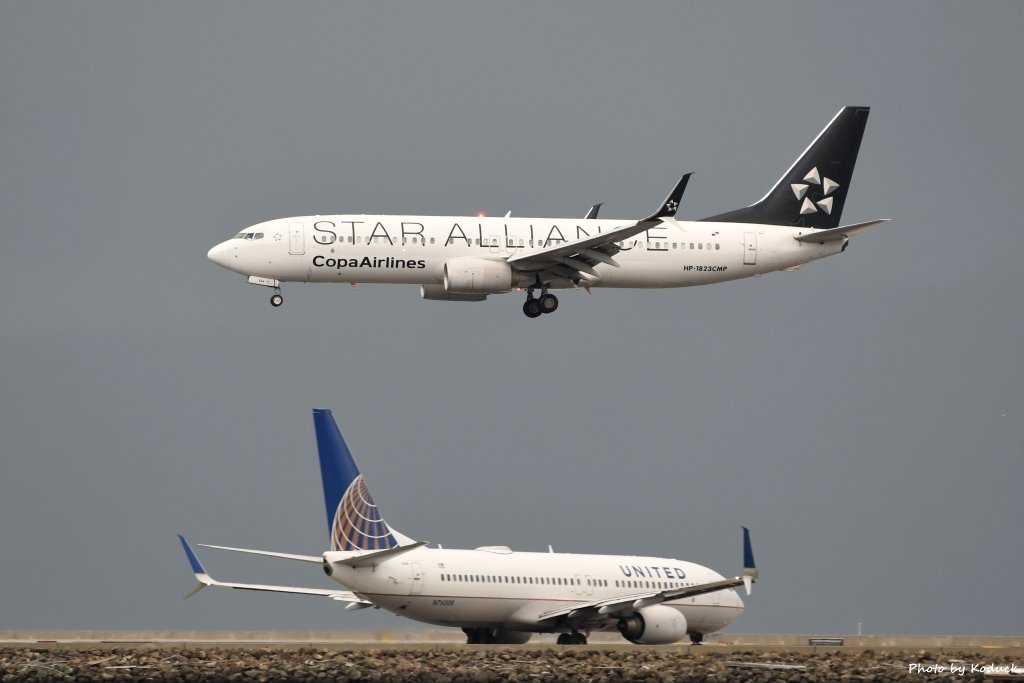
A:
(249, 236)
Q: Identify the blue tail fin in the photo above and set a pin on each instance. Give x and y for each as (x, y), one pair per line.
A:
(353, 520)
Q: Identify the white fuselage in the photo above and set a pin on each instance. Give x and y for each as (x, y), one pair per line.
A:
(414, 249)
(497, 588)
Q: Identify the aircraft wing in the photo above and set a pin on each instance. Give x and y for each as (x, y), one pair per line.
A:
(204, 579)
(625, 605)
(571, 260)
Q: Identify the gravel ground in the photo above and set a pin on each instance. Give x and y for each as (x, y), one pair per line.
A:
(462, 665)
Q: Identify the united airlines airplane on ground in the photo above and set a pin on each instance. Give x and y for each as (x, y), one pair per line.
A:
(461, 258)
(494, 594)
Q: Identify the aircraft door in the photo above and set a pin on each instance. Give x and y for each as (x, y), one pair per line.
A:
(749, 248)
(495, 244)
(416, 583)
(296, 239)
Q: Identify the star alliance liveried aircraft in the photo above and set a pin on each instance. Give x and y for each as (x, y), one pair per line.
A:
(462, 258)
(494, 594)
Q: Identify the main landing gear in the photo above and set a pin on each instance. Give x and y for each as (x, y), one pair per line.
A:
(547, 303)
(574, 638)
(276, 300)
(480, 636)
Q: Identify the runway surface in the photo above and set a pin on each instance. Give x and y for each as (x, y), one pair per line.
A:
(453, 639)
(270, 657)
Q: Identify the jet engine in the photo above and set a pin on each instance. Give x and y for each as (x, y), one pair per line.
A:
(468, 275)
(439, 293)
(657, 625)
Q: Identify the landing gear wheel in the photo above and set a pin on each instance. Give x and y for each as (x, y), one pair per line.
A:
(532, 308)
(695, 638)
(276, 300)
(575, 638)
(480, 636)
(548, 303)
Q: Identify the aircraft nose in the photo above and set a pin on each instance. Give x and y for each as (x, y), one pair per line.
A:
(220, 254)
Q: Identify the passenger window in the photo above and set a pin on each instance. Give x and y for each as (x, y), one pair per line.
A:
(700, 246)
(717, 246)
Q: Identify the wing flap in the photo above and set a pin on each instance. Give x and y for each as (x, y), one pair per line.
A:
(546, 256)
(625, 605)
(572, 260)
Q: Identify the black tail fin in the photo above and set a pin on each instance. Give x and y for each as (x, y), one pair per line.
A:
(813, 191)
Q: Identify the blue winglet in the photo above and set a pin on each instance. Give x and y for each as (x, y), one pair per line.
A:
(748, 552)
(192, 559)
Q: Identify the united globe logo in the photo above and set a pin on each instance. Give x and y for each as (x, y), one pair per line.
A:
(357, 521)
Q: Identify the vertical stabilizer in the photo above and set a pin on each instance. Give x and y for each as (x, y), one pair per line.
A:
(353, 520)
(813, 191)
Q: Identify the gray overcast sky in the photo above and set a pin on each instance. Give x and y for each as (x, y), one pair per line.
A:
(862, 415)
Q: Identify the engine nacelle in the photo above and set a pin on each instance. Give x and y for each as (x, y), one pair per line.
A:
(468, 275)
(656, 625)
(439, 293)
(503, 637)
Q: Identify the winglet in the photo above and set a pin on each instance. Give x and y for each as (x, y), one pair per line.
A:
(592, 212)
(749, 568)
(203, 579)
(671, 204)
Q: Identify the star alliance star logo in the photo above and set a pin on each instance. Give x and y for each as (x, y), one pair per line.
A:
(802, 191)
(672, 205)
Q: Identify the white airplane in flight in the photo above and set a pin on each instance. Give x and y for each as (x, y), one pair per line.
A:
(494, 594)
(463, 258)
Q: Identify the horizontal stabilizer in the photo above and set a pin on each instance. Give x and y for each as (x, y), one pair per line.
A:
(840, 233)
(314, 559)
(375, 558)
(205, 579)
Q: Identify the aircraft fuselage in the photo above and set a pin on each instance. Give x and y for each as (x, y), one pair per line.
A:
(414, 249)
